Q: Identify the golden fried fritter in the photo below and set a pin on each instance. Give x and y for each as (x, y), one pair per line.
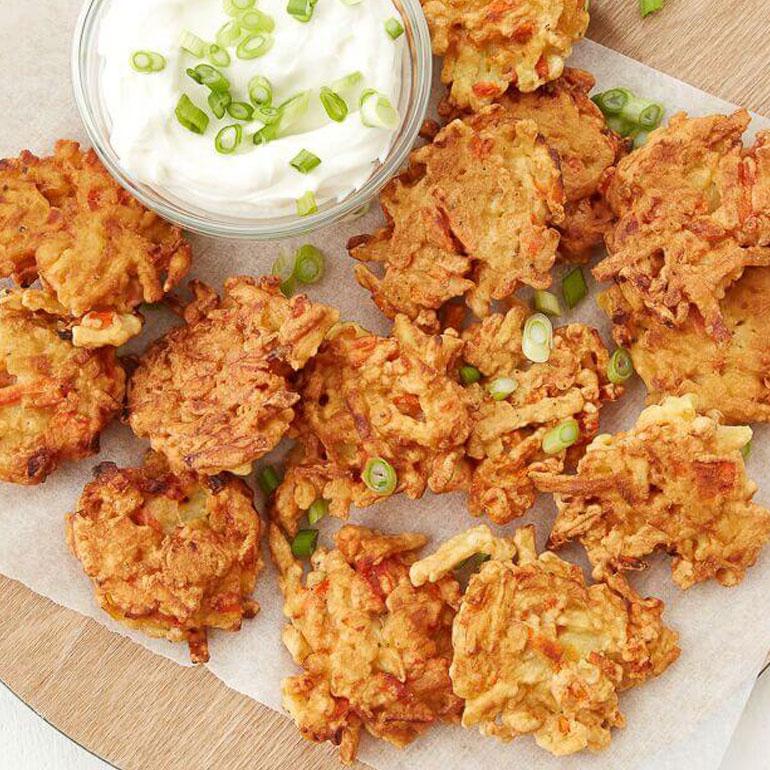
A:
(214, 394)
(675, 482)
(693, 212)
(54, 398)
(375, 650)
(470, 217)
(536, 651)
(489, 44)
(396, 398)
(732, 376)
(65, 220)
(169, 555)
(575, 127)
(506, 441)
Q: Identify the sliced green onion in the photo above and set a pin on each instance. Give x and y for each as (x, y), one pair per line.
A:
(193, 44)
(206, 75)
(309, 264)
(229, 139)
(306, 205)
(236, 7)
(347, 86)
(229, 34)
(641, 139)
(502, 387)
(148, 62)
(304, 544)
(301, 10)
(334, 104)
(256, 21)
(266, 114)
(613, 101)
(469, 374)
(574, 287)
(377, 111)
(621, 367)
(646, 7)
(547, 303)
(643, 113)
(291, 111)
(304, 161)
(269, 480)
(394, 28)
(240, 111)
(317, 511)
(473, 563)
(537, 338)
(746, 449)
(219, 56)
(283, 267)
(260, 91)
(621, 125)
(561, 437)
(254, 46)
(265, 134)
(380, 476)
(219, 101)
(190, 116)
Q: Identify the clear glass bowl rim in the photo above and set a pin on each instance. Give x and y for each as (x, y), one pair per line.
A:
(264, 229)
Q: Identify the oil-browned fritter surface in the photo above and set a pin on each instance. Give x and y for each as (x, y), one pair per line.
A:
(375, 650)
(732, 376)
(488, 45)
(575, 127)
(675, 482)
(95, 248)
(364, 397)
(171, 555)
(214, 394)
(537, 651)
(507, 436)
(470, 217)
(54, 398)
(693, 209)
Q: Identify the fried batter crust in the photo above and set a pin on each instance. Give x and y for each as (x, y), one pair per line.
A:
(488, 45)
(54, 398)
(169, 555)
(675, 482)
(575, 127)
(693, 212)
(536, 651)
(375, 650)
(365, 396)
(506, 441)
(64, 219)
(214, 394)
(470, 217)
(732, 376)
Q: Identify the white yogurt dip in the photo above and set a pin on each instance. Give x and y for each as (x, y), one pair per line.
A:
(256, 181)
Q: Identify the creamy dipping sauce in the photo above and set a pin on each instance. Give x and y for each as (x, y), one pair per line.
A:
(255, 181)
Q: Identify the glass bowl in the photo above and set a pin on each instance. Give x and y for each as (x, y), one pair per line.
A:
(415, 93)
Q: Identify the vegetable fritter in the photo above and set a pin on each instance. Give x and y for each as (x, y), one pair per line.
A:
(537, 651)
(94, 247)
(366, 397)
(506, 442)
(471, 216)
(214, 394)
(171, 555)
(55, 399)
(375, 650)
(675, 482)
(488, 45)
(730, 375)
(693, 207)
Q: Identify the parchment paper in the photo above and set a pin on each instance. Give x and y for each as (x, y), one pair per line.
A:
(724, 632)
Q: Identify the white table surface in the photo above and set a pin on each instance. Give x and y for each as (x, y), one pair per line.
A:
(739, 735)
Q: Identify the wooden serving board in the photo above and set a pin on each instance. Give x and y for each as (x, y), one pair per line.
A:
(139, 711)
